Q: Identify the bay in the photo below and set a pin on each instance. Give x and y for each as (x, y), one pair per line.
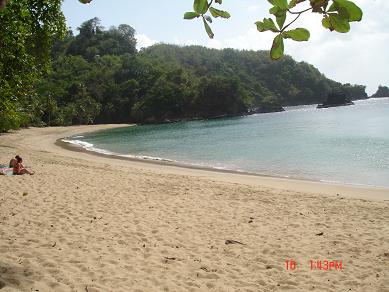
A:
(344, 144)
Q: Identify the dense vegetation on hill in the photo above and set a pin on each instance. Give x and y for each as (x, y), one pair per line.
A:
(382, 91)
(98, 76)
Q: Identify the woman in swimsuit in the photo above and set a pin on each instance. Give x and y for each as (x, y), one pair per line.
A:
(13, 161)
(19, 168)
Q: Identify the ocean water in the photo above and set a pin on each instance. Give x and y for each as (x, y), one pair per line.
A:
(343, 144)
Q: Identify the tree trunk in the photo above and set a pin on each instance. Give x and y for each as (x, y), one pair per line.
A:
(3, 3)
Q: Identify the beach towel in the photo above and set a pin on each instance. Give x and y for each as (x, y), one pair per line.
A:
(5, 170)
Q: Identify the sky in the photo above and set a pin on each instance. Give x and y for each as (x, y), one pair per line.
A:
(358, 57)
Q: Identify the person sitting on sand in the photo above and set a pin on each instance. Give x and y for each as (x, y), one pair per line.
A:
(13, 162)
(19, 169)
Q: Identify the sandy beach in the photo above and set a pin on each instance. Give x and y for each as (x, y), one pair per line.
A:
(92, 223)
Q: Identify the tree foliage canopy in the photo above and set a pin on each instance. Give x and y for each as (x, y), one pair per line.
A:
(93, 82)
(98, 75)
(336, 16)
(27, 29)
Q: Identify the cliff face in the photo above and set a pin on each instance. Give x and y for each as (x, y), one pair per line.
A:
(382, 91)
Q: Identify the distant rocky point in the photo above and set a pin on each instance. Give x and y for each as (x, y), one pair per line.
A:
(383, 91)
(336, 99)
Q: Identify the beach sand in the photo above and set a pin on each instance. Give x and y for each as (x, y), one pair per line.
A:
(91, 223)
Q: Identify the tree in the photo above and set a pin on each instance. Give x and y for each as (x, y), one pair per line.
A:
(98, 74)
(28, 29)
(220, 96)
(336, 16)
(93, 41)
(382, 91)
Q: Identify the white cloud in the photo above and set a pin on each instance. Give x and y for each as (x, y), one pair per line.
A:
(356, 57)
(254, 8)
(143, 41)
(180, 42)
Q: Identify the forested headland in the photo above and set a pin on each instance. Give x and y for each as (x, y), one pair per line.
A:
(382, 91)
(98, 76)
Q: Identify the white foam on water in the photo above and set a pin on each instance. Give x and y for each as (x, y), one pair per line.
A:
(143, 157)
(88, 146)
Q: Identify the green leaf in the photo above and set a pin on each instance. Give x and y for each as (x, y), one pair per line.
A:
(266, 24)
(336, 22)
(281, 20)
(282, 4)
(200, 6)
(326, 23)
(344, 7)
(298, 34)
(318, 5)
(191, 15)
(219, 13)
(277, 49)
(219, 1)
(208, 29)
(279, 14)
(293, 3)
(85, 1)
(339, 23)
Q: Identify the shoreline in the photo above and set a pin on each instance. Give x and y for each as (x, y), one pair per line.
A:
(291, 183)
(88, 222)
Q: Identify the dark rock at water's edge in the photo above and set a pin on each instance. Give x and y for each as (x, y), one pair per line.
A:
(336, 99)
(382, 91)
(265, 109)
(258, 110)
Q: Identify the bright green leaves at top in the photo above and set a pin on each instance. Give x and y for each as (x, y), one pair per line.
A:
(200, 6)
(293, 3)
(319, 6)
(277, 49)
(280, 15)
(208, 29)
(281, 4)
(347, 9)
(298, 34)
(279, 11)
(219, 13)
(191, 15)
(337, 17)
(334, 21)
(340, 14)
(267, 24)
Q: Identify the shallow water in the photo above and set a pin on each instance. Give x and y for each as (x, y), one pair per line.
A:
(344, 144)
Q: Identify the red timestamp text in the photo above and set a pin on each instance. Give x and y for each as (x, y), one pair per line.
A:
(322, 265)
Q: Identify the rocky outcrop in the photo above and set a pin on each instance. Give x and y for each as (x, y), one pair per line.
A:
(336, 99)
(383, 91)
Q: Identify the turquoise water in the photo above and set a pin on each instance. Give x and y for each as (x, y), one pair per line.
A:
(344, 144)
